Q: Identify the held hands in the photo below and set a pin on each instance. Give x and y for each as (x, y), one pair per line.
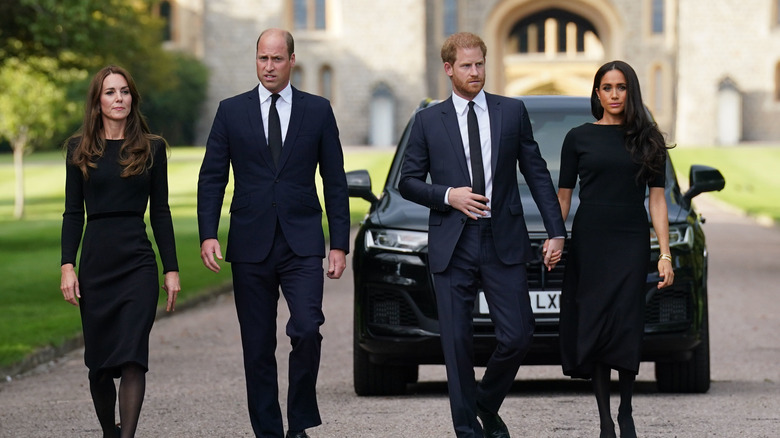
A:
(209, 249)
(666, 272)
(337, 262)
(471, 204)
(172, 287)
(69, 284)
(552, 250)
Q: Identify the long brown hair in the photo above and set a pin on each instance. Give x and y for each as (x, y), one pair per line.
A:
(135, 154)
(644, 140)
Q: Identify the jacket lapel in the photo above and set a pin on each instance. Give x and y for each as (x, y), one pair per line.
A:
(494, 110)
(451, 127)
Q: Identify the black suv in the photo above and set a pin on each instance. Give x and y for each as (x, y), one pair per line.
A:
(395, 321)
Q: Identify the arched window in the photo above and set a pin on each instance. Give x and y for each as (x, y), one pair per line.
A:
(326, 82)
(382, 131)
(657, 90)
(551, 30)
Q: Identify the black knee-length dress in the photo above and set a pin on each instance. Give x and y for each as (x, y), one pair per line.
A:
(117, 270)
(602, 299)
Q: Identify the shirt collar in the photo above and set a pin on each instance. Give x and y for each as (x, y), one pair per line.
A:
(461, 104)
(285, 94)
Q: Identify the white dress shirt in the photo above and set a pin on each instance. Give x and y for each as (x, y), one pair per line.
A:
(483, 119)
(283, 107)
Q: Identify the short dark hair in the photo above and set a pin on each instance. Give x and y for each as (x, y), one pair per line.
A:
(288, 39)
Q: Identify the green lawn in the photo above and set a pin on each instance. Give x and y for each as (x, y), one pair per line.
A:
(33, 312)
(752, 175)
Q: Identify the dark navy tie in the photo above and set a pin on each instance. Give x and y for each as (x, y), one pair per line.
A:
(274, 130)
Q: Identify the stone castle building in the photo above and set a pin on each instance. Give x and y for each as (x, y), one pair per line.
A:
(709, 70)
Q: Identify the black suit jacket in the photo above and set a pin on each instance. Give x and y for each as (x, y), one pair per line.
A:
(264, 193)
(436, 148)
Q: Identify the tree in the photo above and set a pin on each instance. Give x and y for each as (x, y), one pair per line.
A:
(32, 108)
(89, 34)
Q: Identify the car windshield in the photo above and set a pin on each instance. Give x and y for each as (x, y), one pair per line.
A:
(550, 126)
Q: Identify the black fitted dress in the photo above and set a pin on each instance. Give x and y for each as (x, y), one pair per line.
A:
(117, 270)
(602, 300)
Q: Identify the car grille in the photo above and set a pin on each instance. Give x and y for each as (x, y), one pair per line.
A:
(387, 307)
(670, 305)
(538, 276)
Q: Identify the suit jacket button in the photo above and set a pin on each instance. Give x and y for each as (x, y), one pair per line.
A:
(273, 204)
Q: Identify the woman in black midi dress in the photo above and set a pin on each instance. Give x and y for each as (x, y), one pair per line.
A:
(602, 302)
(114, 168)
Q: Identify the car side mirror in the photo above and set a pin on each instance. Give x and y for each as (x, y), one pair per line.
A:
(359, 185)
(703, 179)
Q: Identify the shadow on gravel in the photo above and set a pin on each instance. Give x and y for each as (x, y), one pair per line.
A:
(532, 387)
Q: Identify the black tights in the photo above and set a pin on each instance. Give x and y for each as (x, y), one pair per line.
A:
(601, 381)
(131, 396)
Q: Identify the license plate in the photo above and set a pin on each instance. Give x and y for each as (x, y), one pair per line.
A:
(541, 302)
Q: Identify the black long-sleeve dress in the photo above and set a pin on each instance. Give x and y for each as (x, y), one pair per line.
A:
(602, 299)
(117, 270)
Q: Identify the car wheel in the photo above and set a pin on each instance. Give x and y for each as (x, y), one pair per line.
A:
(691, 376)
(373, 379)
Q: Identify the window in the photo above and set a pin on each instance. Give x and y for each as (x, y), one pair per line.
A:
(326, 82)
(658, 90)
(556, 29)
(450, 17)
(296, 77)
(777, 81)
(657, 16)
(166, 14)
(309, 14)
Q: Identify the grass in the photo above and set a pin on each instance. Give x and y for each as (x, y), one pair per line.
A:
(751, 173)
(33, 312)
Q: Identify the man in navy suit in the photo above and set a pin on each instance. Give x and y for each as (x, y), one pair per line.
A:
(471, 145)
(275, 137)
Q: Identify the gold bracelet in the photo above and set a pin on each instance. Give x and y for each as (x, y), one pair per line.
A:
(667, 257)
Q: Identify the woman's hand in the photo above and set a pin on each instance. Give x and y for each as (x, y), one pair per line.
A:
(69, 284)
(172, 287)
(666, 272)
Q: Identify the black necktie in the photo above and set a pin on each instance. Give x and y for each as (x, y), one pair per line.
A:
(475, 148)
(274, 130)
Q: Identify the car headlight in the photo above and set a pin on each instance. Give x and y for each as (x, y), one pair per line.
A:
(679, 236)
(397, 240)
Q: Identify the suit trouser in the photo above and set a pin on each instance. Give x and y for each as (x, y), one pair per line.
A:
(256, 287)
(475, 262)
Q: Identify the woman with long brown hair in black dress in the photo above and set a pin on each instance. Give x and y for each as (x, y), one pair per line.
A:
(115, 167)
(617, 160)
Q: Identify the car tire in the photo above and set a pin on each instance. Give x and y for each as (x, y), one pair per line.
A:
(691, 376)
(373, 379)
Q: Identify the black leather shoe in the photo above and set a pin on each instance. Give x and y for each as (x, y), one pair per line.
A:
(492, 425)
(297, 434)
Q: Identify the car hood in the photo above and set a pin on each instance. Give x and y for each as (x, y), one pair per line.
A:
(393, 211)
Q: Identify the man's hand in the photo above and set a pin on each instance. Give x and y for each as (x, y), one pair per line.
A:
(337, 262)
(208, 250)
(552, 250)
(471, 204)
